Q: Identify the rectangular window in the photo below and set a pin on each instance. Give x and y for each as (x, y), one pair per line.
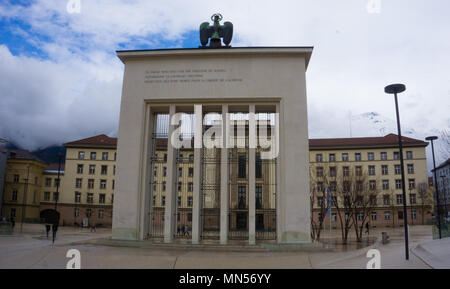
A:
(100, 214)
(398, 184)
(91, 169)
(90, 198)
(47, 196)
(77, 197)
(396, 155)
(372, 185)
(16, 178)
(319, 158)
(55, 196)
(179, 186)
(164, 186)
(399, 199)
(88, 212)
(164, 200)
(242, 166)
(242, 198)
(412, 199)
(102, 184)
(412, 184)
(105, 156)
(104, 170)
(164, 171)
(102, 198)
(180, 172)
(78, 183)
(81, 155)
(332, 171)
(332, 157)
(385, 184)
(357, 156)
(79, 169)
(346, 171)
(373, 216)
(387, 216)
(14, 196)
(410, 169)
(258, 166)
(373, 200)
(384, 170)
(333, 186)
(179, 201)
(320, 187)
(191, 158)
(258, 196)
(370, 156)
(76, 212)
(400, 215)
(114, 170)
(344, 157)
(383, 156)
(190, 187)
(189, 201)
(333, 217)
(409, 155)
(358, 170)
(386, 199)
(371, 170)
(320, 201)
(319, 172)
(91, 183)
(397, 169)
(191, 172)
(93, 155)
(413, 214)
(12, 213)
(56, 182)
(48, 182)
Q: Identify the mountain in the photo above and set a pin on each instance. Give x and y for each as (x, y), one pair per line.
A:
(50, 154)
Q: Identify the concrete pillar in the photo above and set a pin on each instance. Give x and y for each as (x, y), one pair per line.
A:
(171, 192)
(224, 172)
(197, 196)
(251, 174)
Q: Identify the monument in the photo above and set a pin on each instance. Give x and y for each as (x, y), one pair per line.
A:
(213, 143)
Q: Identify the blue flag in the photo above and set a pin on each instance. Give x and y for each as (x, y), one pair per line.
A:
(328, 202)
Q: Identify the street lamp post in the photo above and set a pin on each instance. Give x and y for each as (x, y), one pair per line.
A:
(444, 190)
(394, 89)
(436, 187)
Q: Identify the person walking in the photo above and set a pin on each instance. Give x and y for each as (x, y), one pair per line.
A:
(54, 229)
(47, 229)
(367, 228)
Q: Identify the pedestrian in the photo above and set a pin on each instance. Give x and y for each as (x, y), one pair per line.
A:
(47, 229)
(13, 223)
(54, 229)
(186, 232)
(367, 228)
(178, 230)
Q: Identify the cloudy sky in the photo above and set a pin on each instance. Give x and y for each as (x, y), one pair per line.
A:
(60, 78)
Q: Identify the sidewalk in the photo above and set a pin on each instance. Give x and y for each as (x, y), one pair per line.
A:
(435, 253)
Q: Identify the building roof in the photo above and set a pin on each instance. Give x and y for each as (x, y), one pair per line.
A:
(54, 167)
(390, 140)
(444, 164)
(101, 140)
(23, 155)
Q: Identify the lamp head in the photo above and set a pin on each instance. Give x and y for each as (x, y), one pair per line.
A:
(431, 138)
(395, 88)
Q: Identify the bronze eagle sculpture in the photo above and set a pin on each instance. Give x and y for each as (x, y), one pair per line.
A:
(215, 32)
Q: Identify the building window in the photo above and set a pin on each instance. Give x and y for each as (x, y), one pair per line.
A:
(360, 217)
(332, 157)
(397, 169)
(411, 183)
(105, 156)
(179, 201)
(383, 156)
(358, 157)
(164, 200)
(191, 158)
(373, 216)
(78, 183)
(333, 186)
(319, 158)
(409, 155)
(104, 170)
(113, 184)
(14, 196)
(77, 197)
(90, 198)
(48, 182)
(373, 200)
(398, 184)
(358, 170)
(91, 169)
(164, 186)
(16, 178)
(114, 170)
(370, 156)
(396, 155)
(164, 171)
(56, 182)
(47, 196)
(12, 213)
(100, 214)
(385, 184)
(344, 157)
(319, 201)
(413, 214)
(91, 183)
(372, 185)
(93, 155)
(154, 200)
(384, 170)
(400, 215)
(179, 186)
(399, 199)
(191, 172)
(332, 171)
(386, 199)
(101, 198)
(346, 171)
(79, 169)
(112, 198)
(55, 196)
(412, 199)
(258, 166)
(76, 212)
(81, 155)
(387, 216)
(410, 169)
(371, 170)
(320, 187)
(180, 172)
(165, 157)
(88, 213)
(333, 217)
(242, 166)
(189, 199)
(242, 199)
(190, 187)
(258, 196)
(102, 184)
(319, 172)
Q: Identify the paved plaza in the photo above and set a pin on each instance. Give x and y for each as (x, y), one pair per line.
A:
(31, 249)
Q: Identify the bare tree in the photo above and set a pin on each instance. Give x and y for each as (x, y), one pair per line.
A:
(445, 144)
(426, 199)
(319, 181)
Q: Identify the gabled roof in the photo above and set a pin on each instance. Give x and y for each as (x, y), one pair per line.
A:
(101, 140)
(444, 164)
(390, 140)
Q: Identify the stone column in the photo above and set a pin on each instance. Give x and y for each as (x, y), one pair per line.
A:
(224, 172)
(197, 196)
(171, 192)
(251, 174)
